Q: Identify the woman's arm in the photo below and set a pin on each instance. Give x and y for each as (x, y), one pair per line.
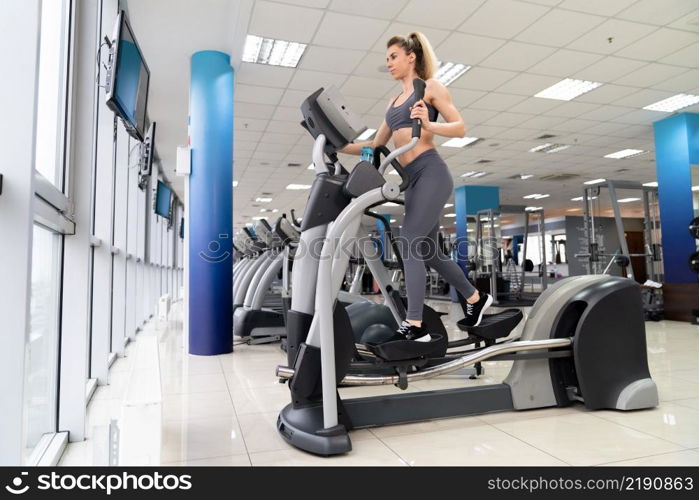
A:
(440, 99)
(380, 139)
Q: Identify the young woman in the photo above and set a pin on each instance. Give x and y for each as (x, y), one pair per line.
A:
(431, 184)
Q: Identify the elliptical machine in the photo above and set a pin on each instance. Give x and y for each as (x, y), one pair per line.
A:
(575, 347)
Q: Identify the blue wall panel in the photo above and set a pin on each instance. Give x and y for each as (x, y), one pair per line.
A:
(676, 148)
(468, 200)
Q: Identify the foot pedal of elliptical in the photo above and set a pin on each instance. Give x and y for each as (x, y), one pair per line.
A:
(400, 350)
(494, 326)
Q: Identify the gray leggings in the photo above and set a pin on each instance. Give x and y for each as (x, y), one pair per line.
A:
(430, 187)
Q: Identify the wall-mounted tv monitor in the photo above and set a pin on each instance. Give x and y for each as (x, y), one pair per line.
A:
(163, 199)
(128, 79)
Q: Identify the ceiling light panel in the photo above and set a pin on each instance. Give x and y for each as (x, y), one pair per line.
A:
(673, 103)
(549, 148)
(366, 134)
(273, 52)
(568, 89)
(624, 153)
(460, 142)
(449, 71)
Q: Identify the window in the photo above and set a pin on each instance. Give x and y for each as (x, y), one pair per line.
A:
(51, 95)
(41, 352)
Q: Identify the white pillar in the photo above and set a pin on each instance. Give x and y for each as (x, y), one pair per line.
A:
(19, 51)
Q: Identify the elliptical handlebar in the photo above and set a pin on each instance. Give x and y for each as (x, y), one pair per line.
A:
(294, 220)
(419, 87)
(391, 159)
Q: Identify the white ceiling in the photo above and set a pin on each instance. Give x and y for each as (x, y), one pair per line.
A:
(642, 50)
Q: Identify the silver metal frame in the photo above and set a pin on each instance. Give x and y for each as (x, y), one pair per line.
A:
(650, 224)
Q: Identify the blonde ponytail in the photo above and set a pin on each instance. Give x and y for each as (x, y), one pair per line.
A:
(418, 44)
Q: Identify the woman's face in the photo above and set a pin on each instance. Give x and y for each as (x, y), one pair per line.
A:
(399, 63)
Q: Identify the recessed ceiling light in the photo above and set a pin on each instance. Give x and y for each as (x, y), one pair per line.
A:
(474, 173)
(235, 183)
(540, 147)
(450, 215)
(441, 227)
(549, 148)
(366, 134)
(447, 205)
(673, 103)
(532, 209)
(568, 89)
(536, 196)
(460, 142)
(595, 181)
(298, 187)
(449, 71)
(263, 200)
(624, 153)
(393, 220)
(628, 200)
(651, 184)
(272, 52)
(580, 198)
(524, 177)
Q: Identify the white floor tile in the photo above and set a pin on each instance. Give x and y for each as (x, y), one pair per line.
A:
(691, 403)
(241, 460)
(671, 422)
(197, 405)
(677, 458)
(206, 382)
(584, 439)
(473, 444)
(260, 400)
(201, 438)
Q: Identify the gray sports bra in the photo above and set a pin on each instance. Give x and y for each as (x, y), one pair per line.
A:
(399, 116)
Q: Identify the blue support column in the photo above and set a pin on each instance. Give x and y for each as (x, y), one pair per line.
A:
(468, 200)
(210, 222)
(676, 149)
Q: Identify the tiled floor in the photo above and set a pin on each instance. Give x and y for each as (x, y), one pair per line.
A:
(222, 411)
